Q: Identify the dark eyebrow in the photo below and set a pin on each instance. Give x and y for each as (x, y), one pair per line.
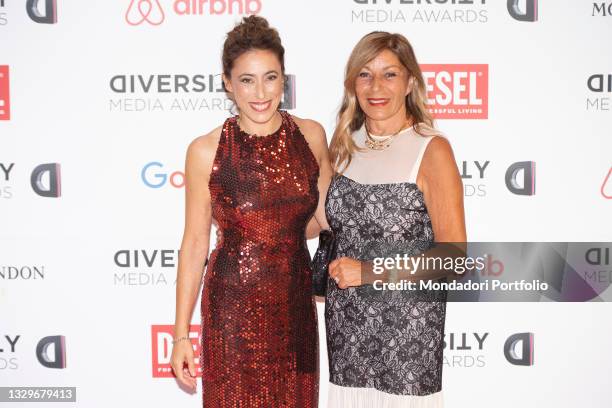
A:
(387, 67)
(252, 75)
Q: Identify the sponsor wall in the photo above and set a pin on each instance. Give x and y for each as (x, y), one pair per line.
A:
(99, 100)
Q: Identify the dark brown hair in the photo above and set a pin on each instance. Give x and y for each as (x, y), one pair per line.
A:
(253, 32)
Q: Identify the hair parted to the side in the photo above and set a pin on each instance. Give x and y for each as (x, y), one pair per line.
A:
(351, 117)
(253, 32)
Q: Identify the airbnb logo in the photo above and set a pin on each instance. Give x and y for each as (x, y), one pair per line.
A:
(151, 11)
(606, 186)
(190, 7)
(140, 11)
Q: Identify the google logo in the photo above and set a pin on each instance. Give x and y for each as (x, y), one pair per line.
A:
(153, 176)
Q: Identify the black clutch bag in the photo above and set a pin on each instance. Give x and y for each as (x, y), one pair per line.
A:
(326, 252)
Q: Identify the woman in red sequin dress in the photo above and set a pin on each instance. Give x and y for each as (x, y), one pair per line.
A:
(258, 177)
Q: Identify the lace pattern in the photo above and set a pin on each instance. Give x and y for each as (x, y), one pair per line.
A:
(389, 340)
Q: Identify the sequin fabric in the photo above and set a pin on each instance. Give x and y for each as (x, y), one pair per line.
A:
(259, 324)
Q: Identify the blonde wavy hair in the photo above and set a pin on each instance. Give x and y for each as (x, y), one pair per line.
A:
(351, 117)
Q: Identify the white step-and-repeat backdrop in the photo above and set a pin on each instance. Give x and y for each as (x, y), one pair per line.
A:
(99, 100)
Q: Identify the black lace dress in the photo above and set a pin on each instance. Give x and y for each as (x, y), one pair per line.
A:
(384, 347)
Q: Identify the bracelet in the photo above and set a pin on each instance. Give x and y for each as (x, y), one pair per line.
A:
(179, 339)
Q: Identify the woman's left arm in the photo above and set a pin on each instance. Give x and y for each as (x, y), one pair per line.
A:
(315, 136)
(442, 188)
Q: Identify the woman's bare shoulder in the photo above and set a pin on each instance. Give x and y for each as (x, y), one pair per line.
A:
(438, 163)
(439, 149)
(207, 141)
(201, 150)
(312, 130)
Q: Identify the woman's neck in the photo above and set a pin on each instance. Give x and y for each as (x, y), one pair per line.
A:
(260, 129)
(387, 126)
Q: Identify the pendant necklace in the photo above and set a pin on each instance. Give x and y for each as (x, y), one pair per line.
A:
(380, 144)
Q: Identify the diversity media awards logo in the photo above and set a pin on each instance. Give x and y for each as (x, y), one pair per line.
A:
(3, 17)
(50, 351)
(419, 11)
(600, 92)
(519, 349)
(152, 12)
(473, 349)
(465, 349)
(141, 92)
(474, 177)
(144, 267)
(439, 11)
(53, 186)
(45, 180)
(457, 91)
(42, 12)
(520, 177)
(529, 13)
(5, 101)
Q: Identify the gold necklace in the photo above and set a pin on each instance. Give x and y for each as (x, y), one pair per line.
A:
(380, 144)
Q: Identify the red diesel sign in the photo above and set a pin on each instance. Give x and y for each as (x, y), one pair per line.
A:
(5, 102)
(161, 338)
(457, 91)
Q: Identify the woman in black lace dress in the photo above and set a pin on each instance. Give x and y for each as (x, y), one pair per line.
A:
(396, 190)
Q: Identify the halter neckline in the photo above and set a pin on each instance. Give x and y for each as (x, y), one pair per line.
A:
(282, 129)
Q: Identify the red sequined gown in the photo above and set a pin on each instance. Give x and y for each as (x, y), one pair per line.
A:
(259, 327)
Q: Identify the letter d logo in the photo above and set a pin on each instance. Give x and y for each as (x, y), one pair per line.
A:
(528, 185)
(288, 101)
(48, 17)
(55, 185)
(510, 349)
(57, 359)
(530, 13)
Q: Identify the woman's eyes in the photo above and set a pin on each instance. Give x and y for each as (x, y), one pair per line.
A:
(387, 75)
(250, 80)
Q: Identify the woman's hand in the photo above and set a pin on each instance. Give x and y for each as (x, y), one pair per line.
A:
(346, 272)
(182, 353)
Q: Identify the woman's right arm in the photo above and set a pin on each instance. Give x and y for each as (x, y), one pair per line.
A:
(194, 249)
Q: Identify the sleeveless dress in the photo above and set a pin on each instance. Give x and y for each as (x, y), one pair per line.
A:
(384, 347)
(259, 323)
